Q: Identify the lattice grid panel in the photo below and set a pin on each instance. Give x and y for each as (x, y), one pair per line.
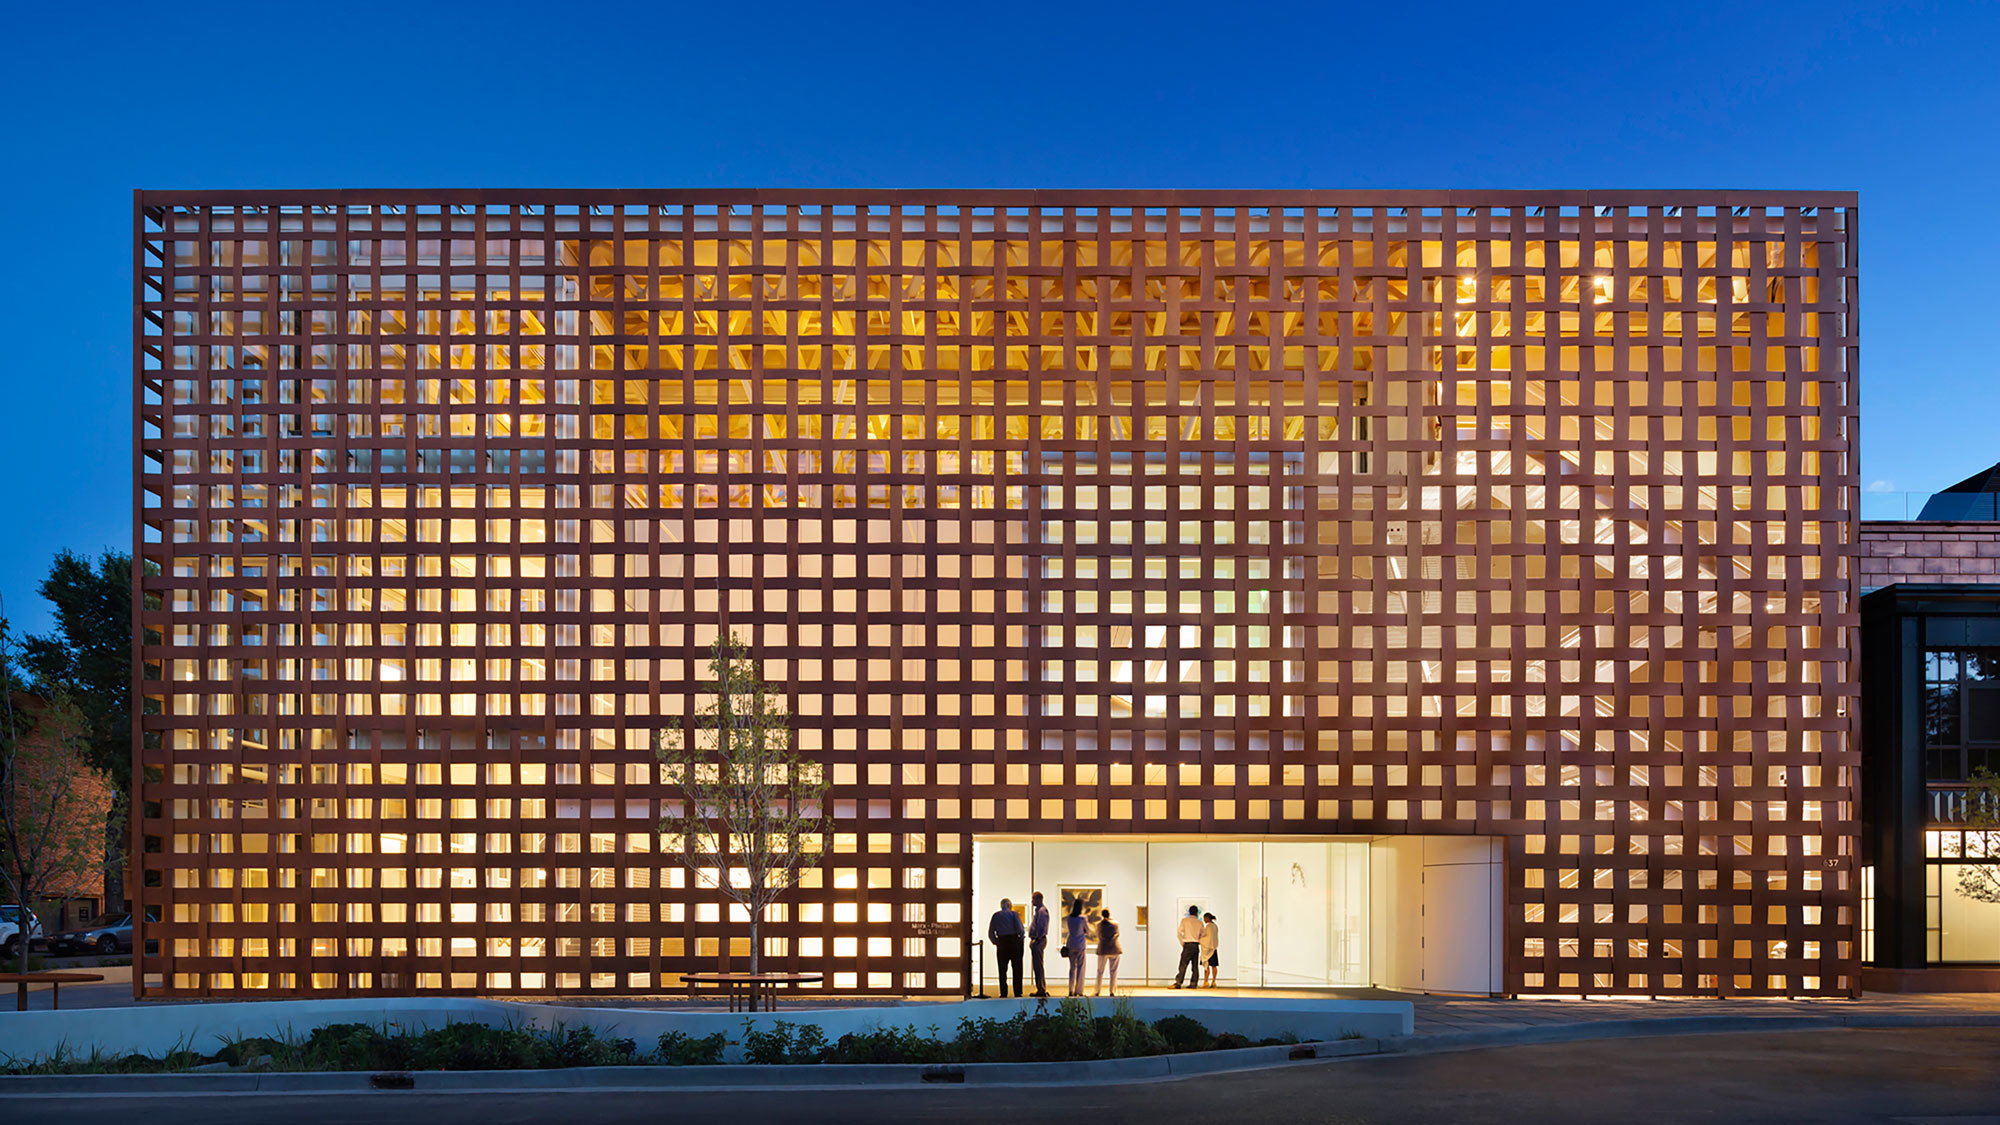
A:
(1521, 515)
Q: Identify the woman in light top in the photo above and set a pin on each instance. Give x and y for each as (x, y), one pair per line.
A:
(1075, 929)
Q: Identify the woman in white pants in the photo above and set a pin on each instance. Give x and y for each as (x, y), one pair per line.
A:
(1108, 952)
(1075, 930)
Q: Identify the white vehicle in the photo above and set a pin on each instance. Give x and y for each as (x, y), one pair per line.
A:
(10, 931)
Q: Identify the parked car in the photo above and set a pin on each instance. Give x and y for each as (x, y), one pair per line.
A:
(11, 931)
(110, 935)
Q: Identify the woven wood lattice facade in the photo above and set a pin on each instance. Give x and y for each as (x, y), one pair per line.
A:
(1519, 515)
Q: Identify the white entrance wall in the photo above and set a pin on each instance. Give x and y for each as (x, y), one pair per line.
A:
(1435, 913)
(1462, 895)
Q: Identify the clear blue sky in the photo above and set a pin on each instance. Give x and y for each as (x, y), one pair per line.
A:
(1897, 101)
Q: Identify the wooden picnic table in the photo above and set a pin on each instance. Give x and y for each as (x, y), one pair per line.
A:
(748, 988)
(55, 981)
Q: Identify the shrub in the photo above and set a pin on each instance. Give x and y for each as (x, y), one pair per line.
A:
(1230, 1041)
(889, 1045)
(1183, 1034)
(354, 1046)
(582, 1046)
(770, 1047)
(678, 1048)
(474, 1046)
(810, 1046)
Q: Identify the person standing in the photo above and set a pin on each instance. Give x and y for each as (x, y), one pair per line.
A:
(1004, 931)
(1075, 928)
(1038, 945)
(1211, 940)
(1190, 935)
(1108, 952)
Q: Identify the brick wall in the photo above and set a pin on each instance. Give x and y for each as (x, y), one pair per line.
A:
(1918, 551)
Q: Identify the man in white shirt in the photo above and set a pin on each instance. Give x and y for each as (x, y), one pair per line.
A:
(1190, 935)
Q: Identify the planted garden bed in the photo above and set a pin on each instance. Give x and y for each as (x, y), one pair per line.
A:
(1069, 1033)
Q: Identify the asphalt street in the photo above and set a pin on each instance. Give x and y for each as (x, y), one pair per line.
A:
(1918, 1077)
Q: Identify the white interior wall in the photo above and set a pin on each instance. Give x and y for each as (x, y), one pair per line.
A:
(1299, 899)
(1205, 872)
(1317, 896)
(1000, 869)
(1118, 867)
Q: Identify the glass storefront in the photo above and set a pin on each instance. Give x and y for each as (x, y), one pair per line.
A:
(1291, 913)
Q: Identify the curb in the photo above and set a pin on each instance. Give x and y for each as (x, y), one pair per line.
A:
(831, 1076)
(1149, 1068)
(1677, 1025)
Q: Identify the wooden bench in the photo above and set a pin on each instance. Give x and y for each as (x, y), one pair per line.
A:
(55, 981)
(749, 988)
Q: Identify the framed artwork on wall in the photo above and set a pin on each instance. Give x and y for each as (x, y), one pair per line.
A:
(1093, 901)
(1182, 902)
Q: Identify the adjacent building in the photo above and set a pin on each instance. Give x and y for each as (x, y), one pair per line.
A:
(1930, 654)
(1451, 591)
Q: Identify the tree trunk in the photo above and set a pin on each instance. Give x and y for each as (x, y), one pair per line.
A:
(114, 865)
(755, 950)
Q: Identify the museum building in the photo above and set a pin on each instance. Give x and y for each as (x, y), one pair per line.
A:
(1450, 591)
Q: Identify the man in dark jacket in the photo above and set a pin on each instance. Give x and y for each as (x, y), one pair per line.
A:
(1005, 932)
(1038, 944)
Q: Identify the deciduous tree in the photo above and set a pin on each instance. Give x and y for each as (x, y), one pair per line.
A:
(1981, 881)
(89, 654)
(53, 803)
(750, 814)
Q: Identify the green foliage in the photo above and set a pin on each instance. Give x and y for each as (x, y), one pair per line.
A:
(1981, 881)
(678, 1048)
(1184, 1034)
(90, 653)
(65, 1060)
(360, 1046)
(889, 1045)
(1072, 1033)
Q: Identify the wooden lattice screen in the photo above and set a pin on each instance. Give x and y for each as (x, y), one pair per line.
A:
(1517, 514)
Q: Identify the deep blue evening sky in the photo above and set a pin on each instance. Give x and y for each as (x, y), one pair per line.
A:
(1898, 102)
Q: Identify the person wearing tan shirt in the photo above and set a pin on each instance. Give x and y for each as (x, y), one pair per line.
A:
(1190, 935)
